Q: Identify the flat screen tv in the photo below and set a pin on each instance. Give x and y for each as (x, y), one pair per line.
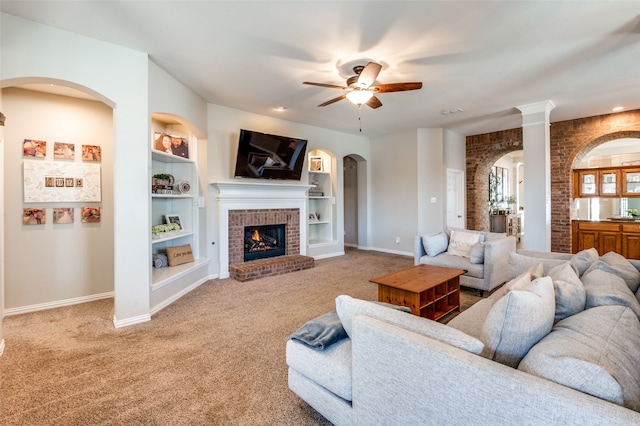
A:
(264, 156)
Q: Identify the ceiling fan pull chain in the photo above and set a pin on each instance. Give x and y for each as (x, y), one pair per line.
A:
(360, 116)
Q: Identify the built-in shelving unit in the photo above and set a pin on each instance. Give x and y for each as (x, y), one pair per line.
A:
(173, 202)
(321, 209)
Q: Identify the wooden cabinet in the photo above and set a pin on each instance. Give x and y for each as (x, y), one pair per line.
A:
(507, 223)
(597, 183)
(621, 181)
(619, 237)
(631, 182)
(631, 240)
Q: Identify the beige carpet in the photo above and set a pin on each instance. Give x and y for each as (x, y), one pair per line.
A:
(216, 356)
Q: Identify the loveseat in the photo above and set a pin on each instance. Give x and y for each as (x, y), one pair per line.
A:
(483, 255)
(564, 328)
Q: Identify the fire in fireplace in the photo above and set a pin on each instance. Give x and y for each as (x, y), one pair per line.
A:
(264, 241)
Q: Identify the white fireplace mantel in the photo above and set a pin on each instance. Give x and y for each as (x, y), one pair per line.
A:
(250, 195)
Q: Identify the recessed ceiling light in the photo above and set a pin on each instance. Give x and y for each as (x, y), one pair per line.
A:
(280, 108)
(617, 109)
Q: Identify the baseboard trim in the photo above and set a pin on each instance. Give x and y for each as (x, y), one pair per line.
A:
(328, 255)
(57, 304)
(401, 253)
(131, 321)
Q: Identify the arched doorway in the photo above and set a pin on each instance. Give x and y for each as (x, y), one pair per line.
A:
(74, 258)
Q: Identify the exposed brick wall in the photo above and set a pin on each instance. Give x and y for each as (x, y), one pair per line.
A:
(238, 219)
(569, 142)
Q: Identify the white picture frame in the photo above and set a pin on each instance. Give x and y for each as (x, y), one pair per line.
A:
(173, 218)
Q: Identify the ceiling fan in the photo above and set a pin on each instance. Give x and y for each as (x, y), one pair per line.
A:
(360, 89)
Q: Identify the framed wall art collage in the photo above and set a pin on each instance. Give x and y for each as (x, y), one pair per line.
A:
(60, 181)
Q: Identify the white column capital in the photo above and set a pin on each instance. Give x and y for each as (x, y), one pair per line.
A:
(536, 113)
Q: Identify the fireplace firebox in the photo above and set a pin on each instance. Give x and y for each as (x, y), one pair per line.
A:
(264, 241)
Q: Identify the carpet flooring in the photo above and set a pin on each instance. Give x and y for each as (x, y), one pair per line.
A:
(214, 357)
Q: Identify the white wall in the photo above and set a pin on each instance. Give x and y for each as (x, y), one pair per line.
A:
(223, 132)
(53, 264)
(408, 170)
(118, 76)
(394, 188)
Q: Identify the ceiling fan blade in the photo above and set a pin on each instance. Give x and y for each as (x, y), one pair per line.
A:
(330, 86)
(374, 102)
(396, 87)
(330, 101)
(368, 75)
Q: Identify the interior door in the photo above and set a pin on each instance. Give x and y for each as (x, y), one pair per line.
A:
(455, 198)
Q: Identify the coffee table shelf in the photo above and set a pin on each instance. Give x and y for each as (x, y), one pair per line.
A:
(430, 291)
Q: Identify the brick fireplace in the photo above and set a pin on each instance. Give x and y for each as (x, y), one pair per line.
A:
(244, 203)
(240, 219)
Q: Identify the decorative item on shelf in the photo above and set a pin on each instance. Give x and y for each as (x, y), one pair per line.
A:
(184, 187)
(314, 217)
(165, 230)
(162, 183)
(173, 219)
(159, 260)
(315, 164)
(316, 192)
(632, 213)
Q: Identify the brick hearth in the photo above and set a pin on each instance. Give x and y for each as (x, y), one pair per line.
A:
(261, 268)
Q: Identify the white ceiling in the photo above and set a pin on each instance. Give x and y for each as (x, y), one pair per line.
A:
(482, 57)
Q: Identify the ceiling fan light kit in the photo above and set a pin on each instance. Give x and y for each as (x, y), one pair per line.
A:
(360, 89)
(359, 97)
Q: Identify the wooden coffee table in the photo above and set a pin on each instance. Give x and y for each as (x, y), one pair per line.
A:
(430, 291)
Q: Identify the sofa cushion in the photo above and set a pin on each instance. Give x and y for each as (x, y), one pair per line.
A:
(620, 266)
(490, 236)
(434, 244)
(471, 319)
(460, 243)
(455, 262)
(348, 307)
(603, 288)
(569, 290)
(330, 368)
(519, 263)
(583, 259)
(518, 320)
(476, 254)
(595, 351)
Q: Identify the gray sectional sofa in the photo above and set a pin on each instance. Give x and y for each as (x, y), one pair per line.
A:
(563, 329)
(485, 261)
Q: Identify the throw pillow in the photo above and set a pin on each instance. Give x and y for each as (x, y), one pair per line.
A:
(570, 293)
(583, 259)
(623, 268)
(460, 243)
(348, 307)
(518, 321)
(603, 288)
(595, 352)
(179, 255)
(476, 254)
(434, 244)
(449, 230)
